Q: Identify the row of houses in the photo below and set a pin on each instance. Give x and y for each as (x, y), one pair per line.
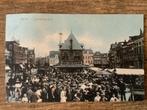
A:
(90, 58)
(128, 54)
(18, 57)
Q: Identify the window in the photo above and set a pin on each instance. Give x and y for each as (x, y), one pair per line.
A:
(10, 46)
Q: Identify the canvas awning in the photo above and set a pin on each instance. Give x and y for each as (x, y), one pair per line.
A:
(122, 71)
(99, 70)
(95, 69)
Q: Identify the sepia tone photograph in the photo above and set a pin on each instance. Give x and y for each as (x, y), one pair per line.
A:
(74, 58)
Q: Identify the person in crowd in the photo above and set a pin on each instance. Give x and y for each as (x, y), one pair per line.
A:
(63, 96)
(38, 92)
(114, 99)
(97, 98)
(24, 98)
(122, 90)
(12, 81)
(33, 98)
(18, 85)
(44, 95)
(54, 85)
(39, 99)
(79, 95)
(103, 97)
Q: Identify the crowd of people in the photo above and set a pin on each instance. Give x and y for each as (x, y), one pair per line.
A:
(53, 85)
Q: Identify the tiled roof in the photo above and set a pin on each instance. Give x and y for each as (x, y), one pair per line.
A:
(75, 44)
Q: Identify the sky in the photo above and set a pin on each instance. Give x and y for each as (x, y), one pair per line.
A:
(95, 31)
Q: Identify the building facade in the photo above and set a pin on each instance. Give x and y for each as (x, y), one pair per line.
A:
(115, 54)
(42, 62)
(71, 53)
(100, 60)
(88, 57)
(137, 49)
(18, 56)
(31, 57)
(7, 56)
(128, 54)
(53, 58)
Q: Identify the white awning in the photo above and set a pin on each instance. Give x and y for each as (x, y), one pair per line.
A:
(99, 70)
(95, 68)
(122, 71)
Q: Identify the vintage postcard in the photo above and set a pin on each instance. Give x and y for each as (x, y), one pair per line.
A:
(74, 57)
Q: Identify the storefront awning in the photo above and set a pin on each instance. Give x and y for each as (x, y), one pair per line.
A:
(72, 66)
(99, 70)
(123, 71)
(95, 69)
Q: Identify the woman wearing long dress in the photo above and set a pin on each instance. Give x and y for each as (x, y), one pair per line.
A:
(25, 99)
(63, 96)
